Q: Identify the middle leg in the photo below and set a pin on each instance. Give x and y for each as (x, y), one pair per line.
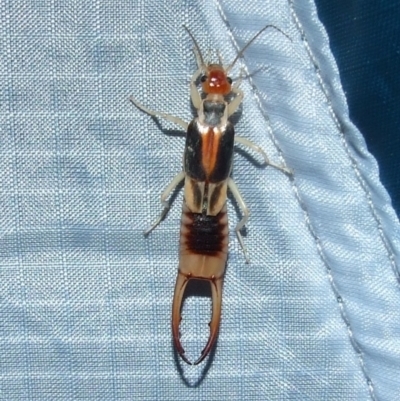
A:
(258, 149)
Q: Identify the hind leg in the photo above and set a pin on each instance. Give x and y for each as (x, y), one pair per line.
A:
(246, 213)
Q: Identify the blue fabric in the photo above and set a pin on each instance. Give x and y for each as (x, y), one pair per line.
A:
(86, 299)
(364, 38)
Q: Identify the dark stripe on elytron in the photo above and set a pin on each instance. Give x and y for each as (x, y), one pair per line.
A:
(193, 166)
(215, 196)
(193, 155)
(197, 194)
(205, 233)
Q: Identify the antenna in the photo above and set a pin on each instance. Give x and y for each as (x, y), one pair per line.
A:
(250, 42)
(196, 45)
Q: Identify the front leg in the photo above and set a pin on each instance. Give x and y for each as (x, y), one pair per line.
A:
(168, 117)
(194, 93)
(237, 100)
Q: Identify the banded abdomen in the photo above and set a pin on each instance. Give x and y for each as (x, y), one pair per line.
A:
(203, 244)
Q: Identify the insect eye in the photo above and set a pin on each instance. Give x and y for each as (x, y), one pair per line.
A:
(203, 78)
(229, 79)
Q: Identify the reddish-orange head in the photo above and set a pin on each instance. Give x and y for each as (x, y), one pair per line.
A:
(215, 81)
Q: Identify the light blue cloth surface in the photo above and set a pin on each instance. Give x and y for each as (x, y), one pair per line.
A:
(86, 299)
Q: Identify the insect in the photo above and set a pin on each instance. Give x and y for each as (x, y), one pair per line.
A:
(207, 165)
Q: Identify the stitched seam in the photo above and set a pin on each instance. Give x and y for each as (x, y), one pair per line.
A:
(318, 242)
(339, 299)
(367, 194)
(353, 162)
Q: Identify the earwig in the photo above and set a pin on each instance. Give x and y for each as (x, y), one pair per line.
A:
(208, 158)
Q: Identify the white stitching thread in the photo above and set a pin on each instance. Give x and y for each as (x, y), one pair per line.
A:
(339, 299)
(346, 147)
(299, 199)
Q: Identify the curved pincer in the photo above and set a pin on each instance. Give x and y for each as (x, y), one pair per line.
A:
(216, 293)
(180, 286)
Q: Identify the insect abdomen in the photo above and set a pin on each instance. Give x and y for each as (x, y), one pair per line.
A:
(203, 254)
(204, 234)
(204, 244)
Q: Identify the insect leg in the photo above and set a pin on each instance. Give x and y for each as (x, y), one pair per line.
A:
(168, 117)
(220, 58)
(194, 93)
(246, 213)
(171, 186)
(257, 149)
(199, 57)
(235, 103)
(239, 80)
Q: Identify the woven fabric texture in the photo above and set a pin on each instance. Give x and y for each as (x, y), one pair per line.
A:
(364, 38)
(85, 298)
